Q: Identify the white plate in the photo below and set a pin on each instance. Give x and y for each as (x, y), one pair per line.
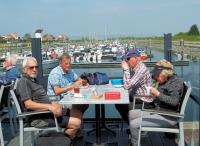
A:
(118, 86)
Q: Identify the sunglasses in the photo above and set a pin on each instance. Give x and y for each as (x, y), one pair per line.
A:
(128, 59)
(32, 67)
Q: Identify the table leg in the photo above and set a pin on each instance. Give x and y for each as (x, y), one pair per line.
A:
(98, 113)
(98, 131)
(103, 120)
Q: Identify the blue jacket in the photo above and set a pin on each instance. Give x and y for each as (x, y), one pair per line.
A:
(10, 75)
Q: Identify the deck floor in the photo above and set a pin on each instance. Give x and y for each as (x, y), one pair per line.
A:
(150, 139)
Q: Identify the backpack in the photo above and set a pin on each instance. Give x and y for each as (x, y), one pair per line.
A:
(97, 78)
(89, 77)
(101, 78)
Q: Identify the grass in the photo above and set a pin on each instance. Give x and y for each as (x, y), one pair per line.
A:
(185, 37)
(191, 38)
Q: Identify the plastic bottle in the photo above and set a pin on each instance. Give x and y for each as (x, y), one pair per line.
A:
(94, 91)
(155, 84)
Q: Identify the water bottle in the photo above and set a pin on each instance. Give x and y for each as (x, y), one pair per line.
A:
(94, 91)
(155, 84)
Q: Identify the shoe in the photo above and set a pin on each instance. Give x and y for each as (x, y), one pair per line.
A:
(78, 140)
(39, 123)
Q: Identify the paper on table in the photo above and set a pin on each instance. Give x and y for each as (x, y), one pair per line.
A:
(97, 96)
(83, 87)
(118, 86)
(78, 95)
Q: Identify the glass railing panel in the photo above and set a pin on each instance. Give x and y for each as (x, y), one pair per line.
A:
(191, 121)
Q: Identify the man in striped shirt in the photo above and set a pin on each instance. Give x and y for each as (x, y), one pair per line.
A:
(136, 78)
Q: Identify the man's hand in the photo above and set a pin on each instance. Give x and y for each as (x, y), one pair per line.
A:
(77, 83)
(56, 109)
(154, 91)
(124, 65)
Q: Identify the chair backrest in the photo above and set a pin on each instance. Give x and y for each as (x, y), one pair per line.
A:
(186, 94)
(19, 105)
(4, 95)
(15, 84)
(17, 102)
(1, 91)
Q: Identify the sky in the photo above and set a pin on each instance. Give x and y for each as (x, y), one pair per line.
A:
(93, 18)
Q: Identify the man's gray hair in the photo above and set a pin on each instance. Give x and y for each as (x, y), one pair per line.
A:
(26, 60)
(12, 58)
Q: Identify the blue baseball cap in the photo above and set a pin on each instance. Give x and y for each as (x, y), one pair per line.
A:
(132, 53)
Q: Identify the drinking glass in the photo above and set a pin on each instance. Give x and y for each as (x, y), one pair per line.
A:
(84, 83)
(77, 90)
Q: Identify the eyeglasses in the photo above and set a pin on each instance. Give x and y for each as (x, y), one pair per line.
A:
(128, 59)
(32, 67)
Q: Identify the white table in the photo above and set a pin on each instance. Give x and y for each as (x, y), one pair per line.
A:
(101, 89)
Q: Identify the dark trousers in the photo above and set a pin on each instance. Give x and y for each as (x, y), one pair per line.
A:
(123, 110)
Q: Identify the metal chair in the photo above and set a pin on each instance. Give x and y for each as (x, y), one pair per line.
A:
(22, 115)
(178, 115)
(5, 110)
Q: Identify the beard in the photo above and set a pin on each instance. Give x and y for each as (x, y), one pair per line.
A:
(33, 75)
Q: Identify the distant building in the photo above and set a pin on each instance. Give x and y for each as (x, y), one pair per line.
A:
(11, 36)
(48, 37)
(62, 37)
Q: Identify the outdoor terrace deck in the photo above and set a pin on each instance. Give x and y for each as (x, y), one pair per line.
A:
(151, 139)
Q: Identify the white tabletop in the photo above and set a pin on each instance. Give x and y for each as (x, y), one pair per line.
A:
(101, 89)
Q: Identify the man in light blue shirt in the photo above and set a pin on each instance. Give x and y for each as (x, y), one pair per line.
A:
(61, 80)
(58, 77)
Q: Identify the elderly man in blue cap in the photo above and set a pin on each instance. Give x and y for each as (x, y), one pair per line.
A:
(136, 78)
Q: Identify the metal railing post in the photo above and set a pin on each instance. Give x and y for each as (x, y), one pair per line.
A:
(168, 47)
(37, 53)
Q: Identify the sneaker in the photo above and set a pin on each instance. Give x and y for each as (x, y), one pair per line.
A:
(39, 123)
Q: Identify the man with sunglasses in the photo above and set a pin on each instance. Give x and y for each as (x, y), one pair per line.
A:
(34, 97)
(136, 78)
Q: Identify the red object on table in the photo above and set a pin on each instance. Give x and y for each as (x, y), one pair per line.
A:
(112, 95)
